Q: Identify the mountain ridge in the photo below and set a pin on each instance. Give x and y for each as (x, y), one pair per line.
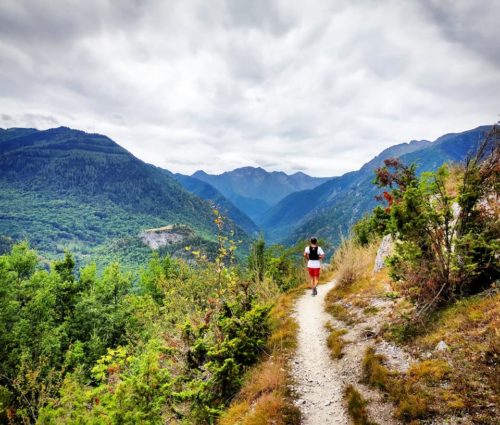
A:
(351, 195)
(254, 190)
(67, 188)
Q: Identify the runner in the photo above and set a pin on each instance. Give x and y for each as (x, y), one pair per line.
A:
(314, 254)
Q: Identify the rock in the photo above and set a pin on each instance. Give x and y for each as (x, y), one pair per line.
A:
(384, 250)
(327, 403)
(441, 346)
(162, 236)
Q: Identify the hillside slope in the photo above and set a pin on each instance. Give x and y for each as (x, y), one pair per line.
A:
(210, 193)
(63, 188)
(331, 208)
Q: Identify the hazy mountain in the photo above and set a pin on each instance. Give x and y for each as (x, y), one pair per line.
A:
(331, 208)
(65, 188)
(255, 190)
(209, 193)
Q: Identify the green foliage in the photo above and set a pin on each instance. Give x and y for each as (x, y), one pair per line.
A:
(171, 344)
(446, 226)
(371, 226)
(62, 189)
(216, 365)
(257, 260)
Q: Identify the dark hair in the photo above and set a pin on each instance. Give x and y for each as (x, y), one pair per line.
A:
(314, 241)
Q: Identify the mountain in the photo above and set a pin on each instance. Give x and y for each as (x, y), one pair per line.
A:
(255, 190)
(209, 193)
(64, 188)
(331, 208)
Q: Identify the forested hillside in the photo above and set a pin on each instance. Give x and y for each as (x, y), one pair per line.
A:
(63, 188)
(209, 193)
(170, 343)
(331, 208)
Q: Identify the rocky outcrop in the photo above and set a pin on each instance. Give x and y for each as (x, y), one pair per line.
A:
(385, 249)
(162, 236)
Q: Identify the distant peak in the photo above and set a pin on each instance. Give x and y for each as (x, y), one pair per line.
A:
(199, 173)
(249, 168)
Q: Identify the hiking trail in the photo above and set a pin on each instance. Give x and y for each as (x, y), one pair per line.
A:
(319, 381)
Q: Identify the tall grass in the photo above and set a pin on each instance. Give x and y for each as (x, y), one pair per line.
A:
(352, 262)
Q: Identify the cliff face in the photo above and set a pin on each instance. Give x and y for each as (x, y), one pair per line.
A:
(168, 235)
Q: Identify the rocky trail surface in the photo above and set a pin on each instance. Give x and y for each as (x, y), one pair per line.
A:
(319, 381)
(316, 377)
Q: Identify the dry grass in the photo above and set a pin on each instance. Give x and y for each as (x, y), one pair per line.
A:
(284, 327)
(358, 293)
(375, 373)
(352, 262)
(267, 377)
(464, 380)
(268, 409)
(353, 269)
(356, 406)
(341, 313)
(410, 403)
(335, 342)
(264, 398)
(471, 329)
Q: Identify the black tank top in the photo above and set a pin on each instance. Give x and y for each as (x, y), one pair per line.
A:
(313, 253)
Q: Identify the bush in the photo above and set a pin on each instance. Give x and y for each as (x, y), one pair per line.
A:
(446, 231)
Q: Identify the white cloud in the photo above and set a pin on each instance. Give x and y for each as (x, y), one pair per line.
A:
(288, 85)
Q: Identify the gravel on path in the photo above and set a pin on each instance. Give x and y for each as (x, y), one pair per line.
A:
(318, 379)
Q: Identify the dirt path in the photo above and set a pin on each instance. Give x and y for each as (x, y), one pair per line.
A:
(317, 378)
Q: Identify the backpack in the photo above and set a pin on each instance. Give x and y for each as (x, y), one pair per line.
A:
(313, 253)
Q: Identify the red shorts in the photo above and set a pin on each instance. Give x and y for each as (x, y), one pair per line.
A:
(313, 272)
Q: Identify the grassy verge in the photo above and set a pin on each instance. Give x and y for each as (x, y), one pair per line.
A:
(462, 380)
(335, 341)
(264, 398)
(458, 381)
(356, 406)
(418, 393)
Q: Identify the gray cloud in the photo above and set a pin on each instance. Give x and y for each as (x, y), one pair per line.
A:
(319, 87)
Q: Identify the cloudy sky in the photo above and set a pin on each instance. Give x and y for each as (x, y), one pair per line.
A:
(313, 85)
